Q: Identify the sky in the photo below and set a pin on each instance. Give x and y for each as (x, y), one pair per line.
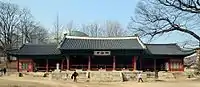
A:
(88, 11)
(80, 11)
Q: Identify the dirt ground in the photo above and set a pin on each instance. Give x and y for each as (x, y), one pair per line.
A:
(8, 83)
(13, 81)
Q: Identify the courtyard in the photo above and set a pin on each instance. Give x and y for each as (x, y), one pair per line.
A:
(14, 81)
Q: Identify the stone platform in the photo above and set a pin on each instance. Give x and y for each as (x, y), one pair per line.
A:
(98, 76)
(109, 76)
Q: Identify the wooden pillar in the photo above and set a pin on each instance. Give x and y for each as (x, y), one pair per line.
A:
(47, 65)
(140, 63)
(181, 65)
(154, 64)
(155, 70)
(169, 63)
(134, 62)
(30, 66)
(114, 65)
(89, 63)
(17, 64)
(62, 64)
(67, 58)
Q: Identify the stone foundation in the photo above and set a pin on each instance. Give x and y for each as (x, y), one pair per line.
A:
(105, 76)
(100, 76)
(110, 76)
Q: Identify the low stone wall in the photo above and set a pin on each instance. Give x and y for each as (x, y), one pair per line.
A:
(100, 76)
(108, 76)
(180, 75)
(34, 74)
(66, 75)
(111, 76)
(172, 75)
(127, 76)
(85, 76)
(165, 76)
(132, 76)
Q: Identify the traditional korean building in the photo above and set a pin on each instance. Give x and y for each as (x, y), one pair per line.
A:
(91, 53)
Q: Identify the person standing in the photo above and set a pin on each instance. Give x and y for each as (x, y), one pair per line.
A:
(4, 71)
(1, 72)
(74, 76)
(140, 77)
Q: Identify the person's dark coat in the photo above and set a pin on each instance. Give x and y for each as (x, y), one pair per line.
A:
(4, 70)
(74, 75)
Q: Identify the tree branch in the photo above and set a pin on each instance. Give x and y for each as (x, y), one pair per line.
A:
(181, 5)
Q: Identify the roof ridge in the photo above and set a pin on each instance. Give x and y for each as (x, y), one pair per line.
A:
(39, 44)
(163, 44)
(108, 38)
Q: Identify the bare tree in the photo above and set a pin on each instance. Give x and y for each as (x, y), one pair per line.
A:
(109, 29)
(70, 27)
(192, 6)
(30, 30)
(114, 29)
(17, 27)
(93, 29)
(58, 30)
(40, 32)
(25, 26)
(10, 15)
(154, 18)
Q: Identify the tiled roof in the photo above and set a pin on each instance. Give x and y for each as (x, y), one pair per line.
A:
(76, 43)
(37, 49)
(166, 49)
(90, 43)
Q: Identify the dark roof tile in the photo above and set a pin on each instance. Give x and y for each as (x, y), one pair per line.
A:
(166, 49)
(37, 49)
(101, 43)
